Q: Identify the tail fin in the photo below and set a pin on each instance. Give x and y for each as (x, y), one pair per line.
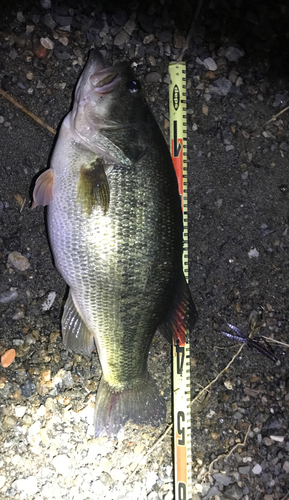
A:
(141, 404)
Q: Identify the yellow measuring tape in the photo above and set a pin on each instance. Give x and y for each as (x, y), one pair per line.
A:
(181, 348)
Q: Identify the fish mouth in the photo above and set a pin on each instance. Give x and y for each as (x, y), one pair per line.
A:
(105, 79)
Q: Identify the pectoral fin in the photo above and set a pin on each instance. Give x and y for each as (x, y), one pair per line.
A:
(93, 188)
(42, 193)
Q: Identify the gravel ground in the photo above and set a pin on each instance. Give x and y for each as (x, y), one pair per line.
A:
(237, 80)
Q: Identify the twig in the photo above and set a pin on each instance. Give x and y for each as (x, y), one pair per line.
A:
(226, 455)
(144, 457)
(275, 341)
(190, 33)
(219, 374)
(275, 116)
(286, 496)
(32, 115)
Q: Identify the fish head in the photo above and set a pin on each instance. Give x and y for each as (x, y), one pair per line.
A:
(109, 112)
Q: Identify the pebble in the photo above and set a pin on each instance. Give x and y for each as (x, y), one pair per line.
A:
(20, 411)
(233, 53)
(153, 77)
(9, 422)
(208, 63)
(8, 357)
(20, 18)
(253, 253)
(286, 466)
(129, 26)
(46, 4)
(27, 485)
(48, 302)
(48, 20)
(18, 261)
(221, 87)
(47, 43)
(62, 464)
(257, 469)
(8, 296)
(222, 479)
(121, 38)
(27, 389)
(279, 439)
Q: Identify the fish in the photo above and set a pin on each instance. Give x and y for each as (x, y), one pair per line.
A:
(115, 228)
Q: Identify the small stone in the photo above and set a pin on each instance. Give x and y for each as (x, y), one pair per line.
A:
(7, 358)
(9, 422)
(205, 110)
(54, 336)
(106, 479)
(153, 77)
(47, 43)
(222, 479)
(253, 253)
(233, 492)
(58, 378)
(68, 381)
(27, 485)
(20, 18)
(151, 479)
(18, 261)
(279, 439)
(48, 21)
(286, 466)
(209, 64)
(148, 39)
(29, 75)
(257, 469)
(46, 4)
(20, 411)
(129, 26)
(121, 38)
(105, 464)
(62, 464)
(47, 304)
(229, 385)
(46, 375)
(19, 313)
(139, 449)
(34, 429)
(233, 53)
(267, 441)
(27, 389)
(221, 87)
(63, 40)
(244, 470)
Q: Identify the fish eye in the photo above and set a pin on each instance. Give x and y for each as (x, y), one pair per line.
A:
(133, 86)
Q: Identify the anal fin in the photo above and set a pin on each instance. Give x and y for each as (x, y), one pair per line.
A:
(182, 316)
(76, 336)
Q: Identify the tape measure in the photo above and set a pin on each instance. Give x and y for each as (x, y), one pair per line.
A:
(181, 349)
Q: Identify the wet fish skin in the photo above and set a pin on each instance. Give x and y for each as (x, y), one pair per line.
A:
(115, 228)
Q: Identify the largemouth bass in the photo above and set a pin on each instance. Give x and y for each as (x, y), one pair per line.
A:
(115, 228)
